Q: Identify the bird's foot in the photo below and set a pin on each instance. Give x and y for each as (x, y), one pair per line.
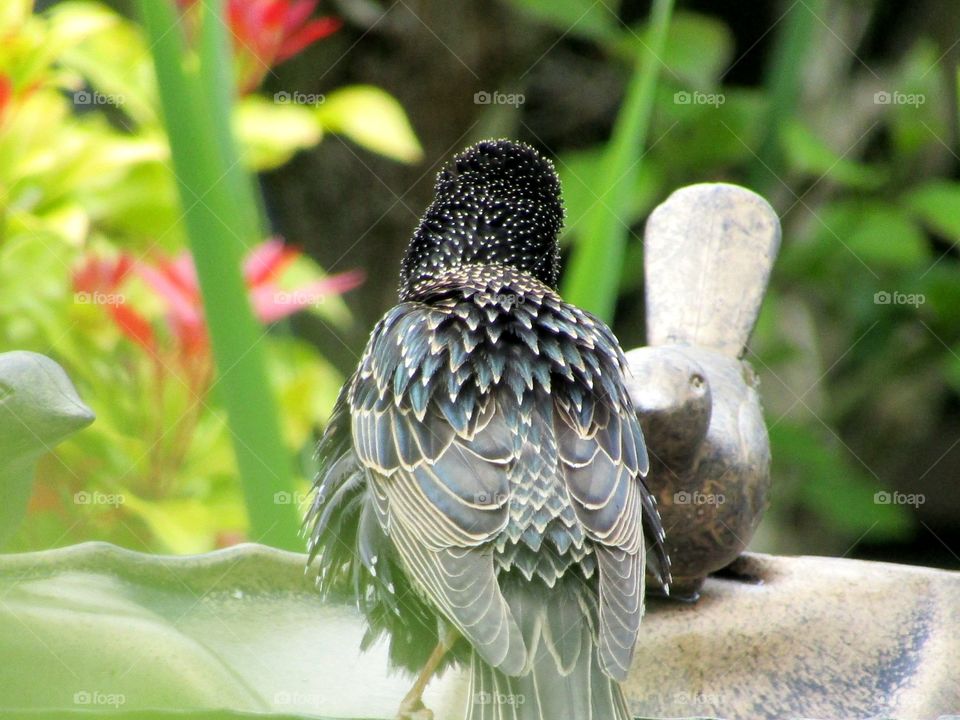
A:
(414, 709)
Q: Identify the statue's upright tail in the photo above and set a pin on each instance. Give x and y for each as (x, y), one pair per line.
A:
(708, 252)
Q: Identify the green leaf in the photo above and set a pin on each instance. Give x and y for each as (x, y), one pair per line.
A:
(108, 53)
(271, 133)
(580, 18)
(937, 205)
(240, 630)
(373, 119)
(697, 50)
(832, 483)
(887, 236)
(807, 154)
(580, 172)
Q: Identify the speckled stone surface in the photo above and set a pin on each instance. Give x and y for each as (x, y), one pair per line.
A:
(820, 638)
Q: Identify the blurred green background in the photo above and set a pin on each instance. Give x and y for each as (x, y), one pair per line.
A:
(842, 113)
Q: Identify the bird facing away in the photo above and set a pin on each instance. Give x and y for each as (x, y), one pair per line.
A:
(480, 491)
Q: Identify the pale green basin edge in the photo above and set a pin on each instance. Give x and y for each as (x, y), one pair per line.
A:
(97, 627)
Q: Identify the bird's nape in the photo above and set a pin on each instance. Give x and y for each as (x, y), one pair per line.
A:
(496, 203)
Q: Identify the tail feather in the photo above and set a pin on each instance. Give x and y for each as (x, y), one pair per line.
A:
(563, 679)
(586, 693)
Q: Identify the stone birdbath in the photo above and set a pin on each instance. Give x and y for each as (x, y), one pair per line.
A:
(95, 630)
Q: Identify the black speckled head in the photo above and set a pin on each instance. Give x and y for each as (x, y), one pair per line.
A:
(497, 202)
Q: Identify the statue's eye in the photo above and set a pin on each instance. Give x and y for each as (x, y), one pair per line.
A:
(697, 381)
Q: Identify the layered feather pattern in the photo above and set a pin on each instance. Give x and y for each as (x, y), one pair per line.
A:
(483, 467)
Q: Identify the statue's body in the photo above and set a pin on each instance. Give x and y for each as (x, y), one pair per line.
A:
(708, 250)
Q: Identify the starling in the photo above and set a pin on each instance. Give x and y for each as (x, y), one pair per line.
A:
(480, 491)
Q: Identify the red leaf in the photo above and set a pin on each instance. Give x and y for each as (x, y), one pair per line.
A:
(306, 36)
(271, 303)
(267, 260)
(133, 325)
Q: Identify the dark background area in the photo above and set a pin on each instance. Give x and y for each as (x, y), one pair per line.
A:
(352, 209)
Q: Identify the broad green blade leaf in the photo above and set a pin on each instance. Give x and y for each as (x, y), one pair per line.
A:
(937, 205)
(271, 132)
(373, 119)
(808, 154)
(240, 630)
(583, 18)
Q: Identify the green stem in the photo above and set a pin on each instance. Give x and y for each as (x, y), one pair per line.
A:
(784, 78)
(216, 205)
(593, 276)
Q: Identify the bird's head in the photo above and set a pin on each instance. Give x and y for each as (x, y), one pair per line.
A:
(496, 203)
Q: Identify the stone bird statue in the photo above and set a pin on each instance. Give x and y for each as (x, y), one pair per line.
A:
(39, 408)
(708, 252)
(480, 491)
